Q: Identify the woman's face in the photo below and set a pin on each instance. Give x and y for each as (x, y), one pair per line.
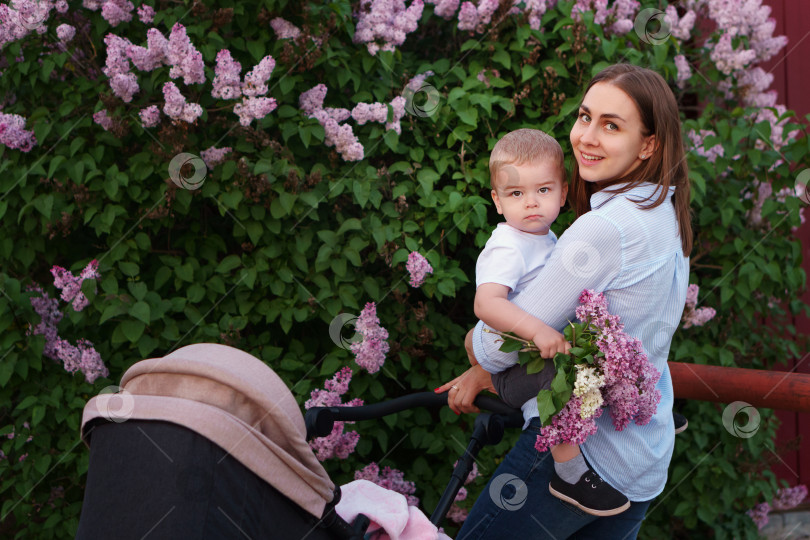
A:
(607, 137)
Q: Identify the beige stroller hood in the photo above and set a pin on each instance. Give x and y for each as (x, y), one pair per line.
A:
(234, 400)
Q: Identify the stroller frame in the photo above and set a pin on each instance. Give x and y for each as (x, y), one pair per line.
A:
(488, 430)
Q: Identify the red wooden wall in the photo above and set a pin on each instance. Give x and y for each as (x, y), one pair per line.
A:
(791, 70)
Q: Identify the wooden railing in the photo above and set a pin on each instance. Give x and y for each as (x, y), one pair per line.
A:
(761, 388)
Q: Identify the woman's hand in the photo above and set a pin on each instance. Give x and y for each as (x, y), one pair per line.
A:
(463, 390)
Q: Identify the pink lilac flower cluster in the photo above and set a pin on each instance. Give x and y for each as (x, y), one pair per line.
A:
(117, 11)
(475, 17)
(338, 135)
(620, 14)
(227, 77)
(176, 106)
(684, 70)
(374, 112)
(337, 444)
(627, 382)
(146, 13)
(785, 499)
(153, 55)
(693, 316)
(103, 119)
(697, 138)
(213, 156)
(284, 29)
(680, 27)
(124, 84)
(457, 513)
(759, 514)
(418, 81)
(65, 32)
(20, 17)
(389, 478)
(185, 59)
(567, 426)
(341, 135)
(445, 9)
(370, 352)
(83, 356)
(762, 191)
(227, 85)
(13, 133)
(177, 51)
(384, 24)
(48, 310)
(418, 267)
(746, 23)
(61, 6)
(150, 116)
(788, 498)
(778, 139)
(71, 286)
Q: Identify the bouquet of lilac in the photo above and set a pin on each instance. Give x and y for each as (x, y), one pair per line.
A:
(604, 368)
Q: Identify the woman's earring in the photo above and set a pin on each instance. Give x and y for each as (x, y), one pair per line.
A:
(643, 156)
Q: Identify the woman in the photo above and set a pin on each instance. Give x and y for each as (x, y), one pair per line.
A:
(631, 240)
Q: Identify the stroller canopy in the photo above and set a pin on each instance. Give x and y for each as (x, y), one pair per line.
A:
(234, 400)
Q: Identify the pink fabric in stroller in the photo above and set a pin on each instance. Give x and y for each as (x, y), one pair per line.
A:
(234, 400)
(388, 511)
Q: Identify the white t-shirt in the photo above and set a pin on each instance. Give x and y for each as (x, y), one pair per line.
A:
(512, 257)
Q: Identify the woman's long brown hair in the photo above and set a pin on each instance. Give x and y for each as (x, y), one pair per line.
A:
(667, 165)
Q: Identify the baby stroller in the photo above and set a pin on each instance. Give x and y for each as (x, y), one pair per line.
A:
(208, 442)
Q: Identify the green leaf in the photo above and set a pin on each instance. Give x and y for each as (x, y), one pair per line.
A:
(511, 345)
(559, 385)
(503, 58)
(527, 72)
(427, 177)
(141, 311)
(112, 310)
(132, 330)
(256, 48)
(535, 366)
(545, 406)
(228, 263)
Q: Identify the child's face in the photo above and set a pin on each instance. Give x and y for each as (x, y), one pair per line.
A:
(607, 137)
(529, 196)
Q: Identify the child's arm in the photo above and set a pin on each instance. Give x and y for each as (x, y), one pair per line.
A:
(493, 307)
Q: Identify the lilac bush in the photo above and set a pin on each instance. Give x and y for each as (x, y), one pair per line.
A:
(330, 142)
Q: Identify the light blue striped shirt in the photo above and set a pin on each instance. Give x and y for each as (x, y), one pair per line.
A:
(635, 257)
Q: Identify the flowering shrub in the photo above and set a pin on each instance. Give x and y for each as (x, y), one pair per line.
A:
(243, 173)
(339, 443)
(785, 499)
(389, 479)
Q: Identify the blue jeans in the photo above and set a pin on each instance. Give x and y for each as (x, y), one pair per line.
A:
(517, 504)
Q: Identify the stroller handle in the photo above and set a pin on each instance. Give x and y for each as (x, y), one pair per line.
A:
(319, 420)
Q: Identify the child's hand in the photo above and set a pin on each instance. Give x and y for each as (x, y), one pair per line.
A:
(468, 344)
(550, 342)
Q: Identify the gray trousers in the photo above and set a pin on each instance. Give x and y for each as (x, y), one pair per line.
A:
(515, 387)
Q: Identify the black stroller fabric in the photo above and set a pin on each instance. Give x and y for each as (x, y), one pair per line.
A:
(158, 480)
